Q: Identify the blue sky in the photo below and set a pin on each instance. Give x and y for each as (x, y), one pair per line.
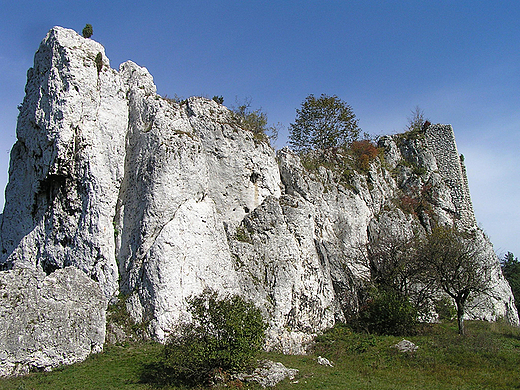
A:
(457, 60)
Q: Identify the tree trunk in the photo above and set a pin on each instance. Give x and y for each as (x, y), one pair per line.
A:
(460, 317)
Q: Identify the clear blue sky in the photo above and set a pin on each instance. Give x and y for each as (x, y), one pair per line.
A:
(458, 60)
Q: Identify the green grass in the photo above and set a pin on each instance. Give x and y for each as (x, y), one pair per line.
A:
(118, 367)
(487, 358)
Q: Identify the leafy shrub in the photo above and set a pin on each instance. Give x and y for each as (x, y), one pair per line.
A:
(218, 99)
(445, 309)
(225, 336)
(388, 312)
(365, 152)
(121, 328)
(242, 234)
(99, 61)
(87, 31)
(255, 121)
(418, 201)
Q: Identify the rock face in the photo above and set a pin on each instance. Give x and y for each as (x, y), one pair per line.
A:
(68, 162)
(49, 320)
(156, 200)
(191, 175)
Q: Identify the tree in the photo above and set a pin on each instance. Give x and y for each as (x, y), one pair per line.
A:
(323, 123)
(255, 121)
(454, 260)
(398, 295)
(417, 120)
(511, 270)
(226, 335)
(395, 264)
(87, 31)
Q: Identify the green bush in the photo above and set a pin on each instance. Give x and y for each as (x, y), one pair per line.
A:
(99, 62)
(388, 312)
(255, 121)
(446, 309)
(511, 271)
(225, 336)
(87, 31)
(219, 99)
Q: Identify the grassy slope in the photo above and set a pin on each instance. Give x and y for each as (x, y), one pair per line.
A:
(487, 358)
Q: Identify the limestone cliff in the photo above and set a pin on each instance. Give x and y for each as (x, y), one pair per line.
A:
(157, 199)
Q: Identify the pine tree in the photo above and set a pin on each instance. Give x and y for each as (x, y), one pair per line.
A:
(87, 31)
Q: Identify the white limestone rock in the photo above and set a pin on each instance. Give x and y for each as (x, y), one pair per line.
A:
(269, 374)
(406, 346)
(190, 172)
(158, 199)
(68, 162)
(48, 321)
(324, 361)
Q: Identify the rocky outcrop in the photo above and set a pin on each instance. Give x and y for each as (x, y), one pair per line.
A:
(156, 200)
(191, 173)
(303, 254)
(48, 321)
(68, 162)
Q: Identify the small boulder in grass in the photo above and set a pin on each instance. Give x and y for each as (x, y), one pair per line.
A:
(268, 374)
(325, 362)
(406, 346)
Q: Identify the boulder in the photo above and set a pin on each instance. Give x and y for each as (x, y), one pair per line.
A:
(406, 346)
(269, 374)
(48, 320)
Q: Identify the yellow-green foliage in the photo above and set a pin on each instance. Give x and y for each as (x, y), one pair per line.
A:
(255, 121)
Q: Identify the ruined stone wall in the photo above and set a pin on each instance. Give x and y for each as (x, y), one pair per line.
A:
(440, 140)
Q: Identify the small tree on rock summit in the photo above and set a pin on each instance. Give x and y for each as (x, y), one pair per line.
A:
(87, 31)
(323, 123)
